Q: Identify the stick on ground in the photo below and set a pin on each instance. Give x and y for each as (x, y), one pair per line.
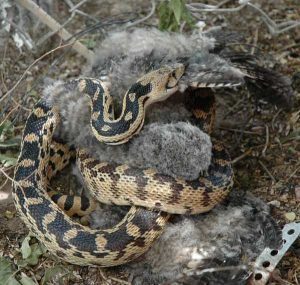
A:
(54, 26)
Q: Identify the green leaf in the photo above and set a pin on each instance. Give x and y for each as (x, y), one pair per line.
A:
(12, 281)
(6, 127)
(7, 273)
(172, 13)
(57, 271)
(25, 248)
(32, 93)
(30, 253)
(188, 18)
(294, 136)
(89, 43)
(165, 15)
(177, 7)
(13, 142)
(25, 280)
(8, 139)
(7, 160)
(36, 251)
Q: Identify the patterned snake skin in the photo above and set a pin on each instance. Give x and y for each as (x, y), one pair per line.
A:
(161, 195)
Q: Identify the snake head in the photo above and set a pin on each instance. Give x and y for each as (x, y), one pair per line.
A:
(163, 82)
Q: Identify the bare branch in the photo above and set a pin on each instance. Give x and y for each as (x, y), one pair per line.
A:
(273, 27)
(145, 18)
(77, 5)
(55, 26)
(51, 33)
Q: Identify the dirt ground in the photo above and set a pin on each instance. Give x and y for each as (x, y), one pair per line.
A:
(263, 140)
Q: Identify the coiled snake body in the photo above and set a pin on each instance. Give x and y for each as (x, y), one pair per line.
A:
(41, 157)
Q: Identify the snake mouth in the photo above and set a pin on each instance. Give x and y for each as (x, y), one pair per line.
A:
(171, 90)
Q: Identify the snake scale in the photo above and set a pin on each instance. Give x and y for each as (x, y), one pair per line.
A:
(152, 196)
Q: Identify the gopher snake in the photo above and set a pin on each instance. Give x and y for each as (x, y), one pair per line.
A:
(40, 159)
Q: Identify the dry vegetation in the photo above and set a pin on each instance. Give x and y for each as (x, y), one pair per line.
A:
(263, 140)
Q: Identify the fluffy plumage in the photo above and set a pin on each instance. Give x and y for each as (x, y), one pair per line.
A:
(169, 143)
(124, 56)
(222, 237)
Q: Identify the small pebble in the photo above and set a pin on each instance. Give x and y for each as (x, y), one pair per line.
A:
(291, 216)
(274, 203)
(3, 195)
(9, 214)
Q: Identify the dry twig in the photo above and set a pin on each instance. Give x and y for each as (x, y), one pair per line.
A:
(267, 170)
(246, 153)
(266, 142)
(29, 67)
(273, 27)
(55, 26)
(145, 18)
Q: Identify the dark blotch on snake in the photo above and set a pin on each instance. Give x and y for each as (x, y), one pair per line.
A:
(92, 164)
(24, 172)
(32, 152)
(36, 210)
(51, 128)
(118, 240)
(60, 153)
(52, 152)
(60, 254)
(140, 242)
(59, 226)
(78, 254)
(85, 242)
(90, 87)
(142, 182)
(139, 89)
(144, 220)
(52, 165)
(133, 171)
(85, 203)
(195, 184)
(93, 172)
(206, 199)
(55, 197)
(109, 168)
(69, 203)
